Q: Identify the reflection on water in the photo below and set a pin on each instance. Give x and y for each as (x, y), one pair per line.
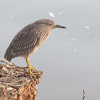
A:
(69, 58)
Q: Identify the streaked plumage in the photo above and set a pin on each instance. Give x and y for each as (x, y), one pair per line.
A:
(28, 40)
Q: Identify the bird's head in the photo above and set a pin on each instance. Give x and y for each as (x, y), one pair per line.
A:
(50, 23)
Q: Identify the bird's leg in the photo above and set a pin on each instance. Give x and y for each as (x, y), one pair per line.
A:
(31, 68)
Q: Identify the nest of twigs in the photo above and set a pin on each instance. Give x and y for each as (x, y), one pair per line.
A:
(15, 82)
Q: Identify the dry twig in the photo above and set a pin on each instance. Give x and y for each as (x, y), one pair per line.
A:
(83, 94)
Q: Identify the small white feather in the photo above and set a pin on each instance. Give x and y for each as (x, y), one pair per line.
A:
(51, 14)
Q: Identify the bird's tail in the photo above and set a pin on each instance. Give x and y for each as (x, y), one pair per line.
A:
(8, 56)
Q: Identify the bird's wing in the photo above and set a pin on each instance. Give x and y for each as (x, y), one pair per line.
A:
(24, 41)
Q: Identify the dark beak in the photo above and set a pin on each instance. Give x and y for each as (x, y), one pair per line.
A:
(59, 26)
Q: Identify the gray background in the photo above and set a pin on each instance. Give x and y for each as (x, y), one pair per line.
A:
(69, 58)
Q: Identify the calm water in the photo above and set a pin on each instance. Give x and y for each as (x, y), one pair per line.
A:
(69, 58)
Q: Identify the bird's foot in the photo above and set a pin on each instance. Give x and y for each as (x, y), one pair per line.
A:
(34, 69)
(33, 73)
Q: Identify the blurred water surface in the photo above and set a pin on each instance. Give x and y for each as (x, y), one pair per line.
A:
(69, 58)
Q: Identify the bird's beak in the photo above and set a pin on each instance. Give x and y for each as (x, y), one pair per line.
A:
(58, 26)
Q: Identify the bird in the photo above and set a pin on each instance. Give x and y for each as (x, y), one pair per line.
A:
(29, 39)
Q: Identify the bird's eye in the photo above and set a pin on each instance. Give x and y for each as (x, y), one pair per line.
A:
(51, 25)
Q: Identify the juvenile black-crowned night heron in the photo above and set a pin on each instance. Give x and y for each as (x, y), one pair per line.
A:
(28, 40)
